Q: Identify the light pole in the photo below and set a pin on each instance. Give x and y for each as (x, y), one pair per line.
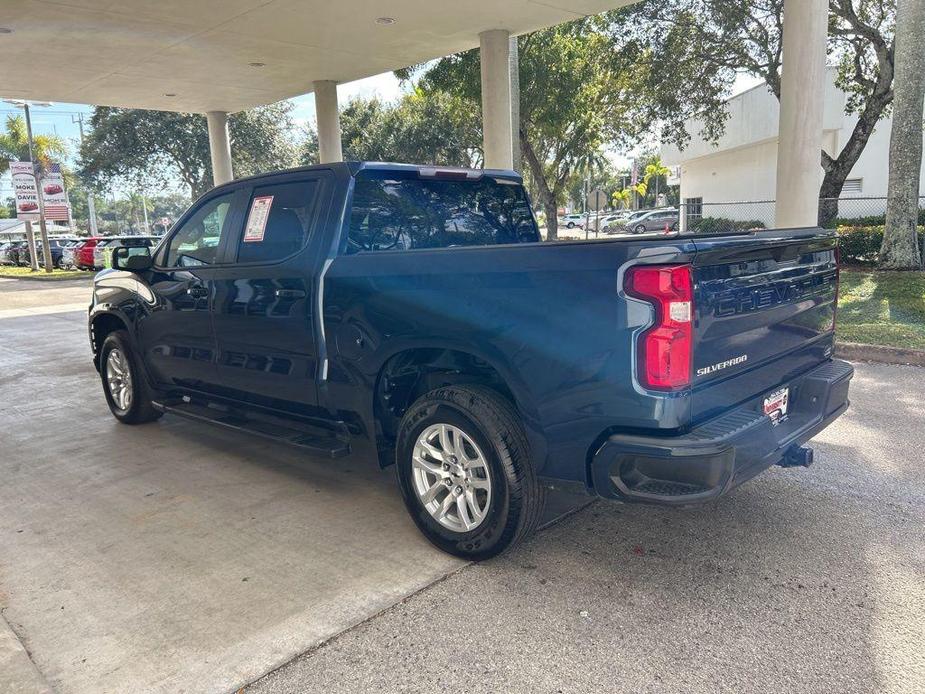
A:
(91, 203)
(43, 229)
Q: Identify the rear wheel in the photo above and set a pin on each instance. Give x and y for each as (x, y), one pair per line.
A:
(127, 392)
(465, 473)
(570, 225)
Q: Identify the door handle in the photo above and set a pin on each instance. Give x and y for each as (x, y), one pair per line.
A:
(290, 294)
(197, 292)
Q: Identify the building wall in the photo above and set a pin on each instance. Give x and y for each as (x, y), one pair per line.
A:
(742, 166)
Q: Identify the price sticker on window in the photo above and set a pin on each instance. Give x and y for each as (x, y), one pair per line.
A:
(257, 218)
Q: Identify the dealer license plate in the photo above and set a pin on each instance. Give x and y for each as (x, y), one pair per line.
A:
(775, 405)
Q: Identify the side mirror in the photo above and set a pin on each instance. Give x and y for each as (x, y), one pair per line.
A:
(131, 258)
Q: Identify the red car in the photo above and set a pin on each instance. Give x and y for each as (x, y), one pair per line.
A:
(83, 255)
(28, 206)
(53, 189)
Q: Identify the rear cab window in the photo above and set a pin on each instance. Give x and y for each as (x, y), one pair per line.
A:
(399, 211)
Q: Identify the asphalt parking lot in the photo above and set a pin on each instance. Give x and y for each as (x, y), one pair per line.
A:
(174, 557)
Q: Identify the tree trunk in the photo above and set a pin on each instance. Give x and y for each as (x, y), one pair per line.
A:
(837, 170)
(547, 196)
(900, 250)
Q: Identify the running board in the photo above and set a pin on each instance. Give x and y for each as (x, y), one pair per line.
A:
(312, 439)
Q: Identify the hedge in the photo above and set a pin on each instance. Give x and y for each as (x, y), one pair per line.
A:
(860, 245)
(874, 220)
(717, 225)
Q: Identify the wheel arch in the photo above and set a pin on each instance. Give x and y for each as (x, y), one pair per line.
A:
(102, 324)
(407, 373)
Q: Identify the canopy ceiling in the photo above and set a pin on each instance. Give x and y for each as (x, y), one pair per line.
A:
(200, 55)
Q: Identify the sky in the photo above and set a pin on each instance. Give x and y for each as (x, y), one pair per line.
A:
(61, 119)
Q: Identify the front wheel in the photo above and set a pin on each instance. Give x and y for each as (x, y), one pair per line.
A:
(127, 393)
(640, 229)
(465, 472)
(570, 225)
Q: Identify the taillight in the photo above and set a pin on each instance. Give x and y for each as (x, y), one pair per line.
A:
(664, 351)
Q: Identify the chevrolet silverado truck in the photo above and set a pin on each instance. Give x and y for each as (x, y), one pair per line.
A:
(414, 316)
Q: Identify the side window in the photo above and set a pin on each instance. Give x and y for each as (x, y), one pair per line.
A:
(403, 213)
(278, 222)
(196, 243)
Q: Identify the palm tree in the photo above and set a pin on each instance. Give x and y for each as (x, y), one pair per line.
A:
(14, 145)
(655, 170)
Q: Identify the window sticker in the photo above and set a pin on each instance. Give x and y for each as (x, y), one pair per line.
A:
(257, 218)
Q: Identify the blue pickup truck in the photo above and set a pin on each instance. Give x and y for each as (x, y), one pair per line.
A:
(414, 316)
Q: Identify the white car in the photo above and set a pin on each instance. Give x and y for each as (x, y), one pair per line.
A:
(570, 221)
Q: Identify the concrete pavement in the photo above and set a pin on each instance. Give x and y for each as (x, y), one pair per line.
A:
(800, 581)
(175, 557)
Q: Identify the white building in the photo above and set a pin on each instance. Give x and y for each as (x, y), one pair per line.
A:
(742, 167)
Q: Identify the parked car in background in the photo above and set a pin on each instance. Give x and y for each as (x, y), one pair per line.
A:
(16, 253)
(653, 220)
(570, 221)
(69, 254)
(56, 245)
(103, 250)
(4, 248)
(83, 253)
(621, 219)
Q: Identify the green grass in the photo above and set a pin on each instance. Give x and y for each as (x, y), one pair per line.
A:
(882, 308)
(26, 273)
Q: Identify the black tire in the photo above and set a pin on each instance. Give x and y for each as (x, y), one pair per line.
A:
(570, 225)
(641, 229)
(140, 409)
(516, 498)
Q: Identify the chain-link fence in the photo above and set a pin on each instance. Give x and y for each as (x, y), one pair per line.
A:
(706, 217)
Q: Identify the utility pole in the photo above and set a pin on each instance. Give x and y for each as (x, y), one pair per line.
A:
(43, 229)
(144, 206)
(91, 204)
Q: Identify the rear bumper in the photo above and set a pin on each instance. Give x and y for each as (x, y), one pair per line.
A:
(724, 452)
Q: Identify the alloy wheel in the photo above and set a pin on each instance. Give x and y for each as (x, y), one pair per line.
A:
(451, 477)
(119, 379)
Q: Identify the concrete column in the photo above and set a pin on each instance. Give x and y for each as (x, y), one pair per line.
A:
(802, 97)
(496, 99)
(328, 117)
(219, 147)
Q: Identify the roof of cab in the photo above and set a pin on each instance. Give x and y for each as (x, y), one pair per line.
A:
(353, 168)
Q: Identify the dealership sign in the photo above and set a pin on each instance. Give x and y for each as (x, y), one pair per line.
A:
(54, 196)
(27, 197)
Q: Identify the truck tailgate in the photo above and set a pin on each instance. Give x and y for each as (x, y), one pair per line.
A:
(764, 313)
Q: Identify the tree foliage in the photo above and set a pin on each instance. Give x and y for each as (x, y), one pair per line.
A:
(14, 145)
(583, 84)
(726, 36)
(148, 149)
(422, 128)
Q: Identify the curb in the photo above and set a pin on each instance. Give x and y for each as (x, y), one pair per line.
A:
(43, 278)
(17, 671)
(854, 351)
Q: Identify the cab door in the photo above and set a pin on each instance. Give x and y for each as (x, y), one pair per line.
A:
(175, 325)
(263, 311)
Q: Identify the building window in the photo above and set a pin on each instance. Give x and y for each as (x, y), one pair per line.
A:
(694, 209)
(853, 185)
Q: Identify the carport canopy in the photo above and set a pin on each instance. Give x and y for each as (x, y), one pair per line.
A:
(222, 56)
